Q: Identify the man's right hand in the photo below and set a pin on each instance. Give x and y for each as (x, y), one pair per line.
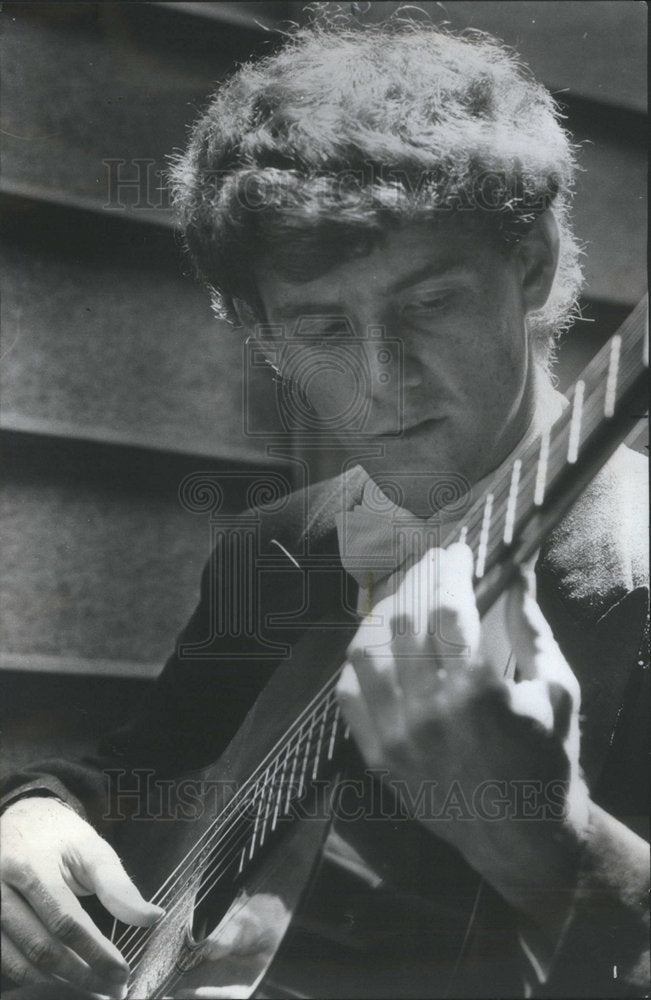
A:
(50, 856)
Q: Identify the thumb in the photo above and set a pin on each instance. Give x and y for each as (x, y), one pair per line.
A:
(538, 654)
(106, 877)
(532, 640)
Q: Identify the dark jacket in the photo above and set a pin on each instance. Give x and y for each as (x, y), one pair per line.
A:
(275, 571)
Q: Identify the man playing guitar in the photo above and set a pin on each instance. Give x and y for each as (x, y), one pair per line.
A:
(415, 182)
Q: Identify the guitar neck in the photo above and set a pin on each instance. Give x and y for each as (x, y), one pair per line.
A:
(506, 526)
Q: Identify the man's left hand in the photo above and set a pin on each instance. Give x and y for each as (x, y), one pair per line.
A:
(496, 761)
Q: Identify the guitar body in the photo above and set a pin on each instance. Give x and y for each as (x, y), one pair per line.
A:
(386, 914)
(347, 898)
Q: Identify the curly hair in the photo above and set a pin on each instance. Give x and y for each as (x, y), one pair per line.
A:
(346, 130)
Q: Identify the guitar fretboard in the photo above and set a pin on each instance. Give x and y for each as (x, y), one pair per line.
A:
(495, 519)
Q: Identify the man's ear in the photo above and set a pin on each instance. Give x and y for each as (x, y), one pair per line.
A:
(245, 314)
(538, 256)
(250, 321)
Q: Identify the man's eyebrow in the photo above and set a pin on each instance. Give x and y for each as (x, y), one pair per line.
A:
(428, 270)
(312, 310)
(328, 310)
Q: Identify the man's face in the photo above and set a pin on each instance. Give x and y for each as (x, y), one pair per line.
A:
(455, 306)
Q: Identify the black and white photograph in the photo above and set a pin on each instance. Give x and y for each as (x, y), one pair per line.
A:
(325, 519)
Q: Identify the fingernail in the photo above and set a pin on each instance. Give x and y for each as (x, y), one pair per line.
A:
(527, 580)
(117, 973)
(108, 986)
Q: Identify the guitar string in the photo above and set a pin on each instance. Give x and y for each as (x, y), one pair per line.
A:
(243, 836)
(217, 875)
(592, 416)
(162, 990)
(283, 741)
(140, 946)
(280, 791)
(585, 423)
(249, 788)
(527, 455)
(240, 840)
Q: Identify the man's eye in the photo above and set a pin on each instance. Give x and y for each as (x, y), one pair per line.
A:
(427, 306)
(320, 327)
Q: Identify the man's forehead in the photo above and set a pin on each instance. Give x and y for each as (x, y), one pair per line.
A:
(402, 258)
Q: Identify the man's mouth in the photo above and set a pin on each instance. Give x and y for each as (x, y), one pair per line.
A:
(422, 427)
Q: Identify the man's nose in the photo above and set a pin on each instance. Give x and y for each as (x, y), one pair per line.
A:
(413, 370)
(392, 355)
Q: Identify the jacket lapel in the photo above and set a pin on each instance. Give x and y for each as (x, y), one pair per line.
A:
(306, 586)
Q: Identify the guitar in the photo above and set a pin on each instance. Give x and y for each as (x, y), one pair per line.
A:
(274, 880)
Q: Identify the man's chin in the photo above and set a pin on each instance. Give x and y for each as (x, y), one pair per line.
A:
(418, 482)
